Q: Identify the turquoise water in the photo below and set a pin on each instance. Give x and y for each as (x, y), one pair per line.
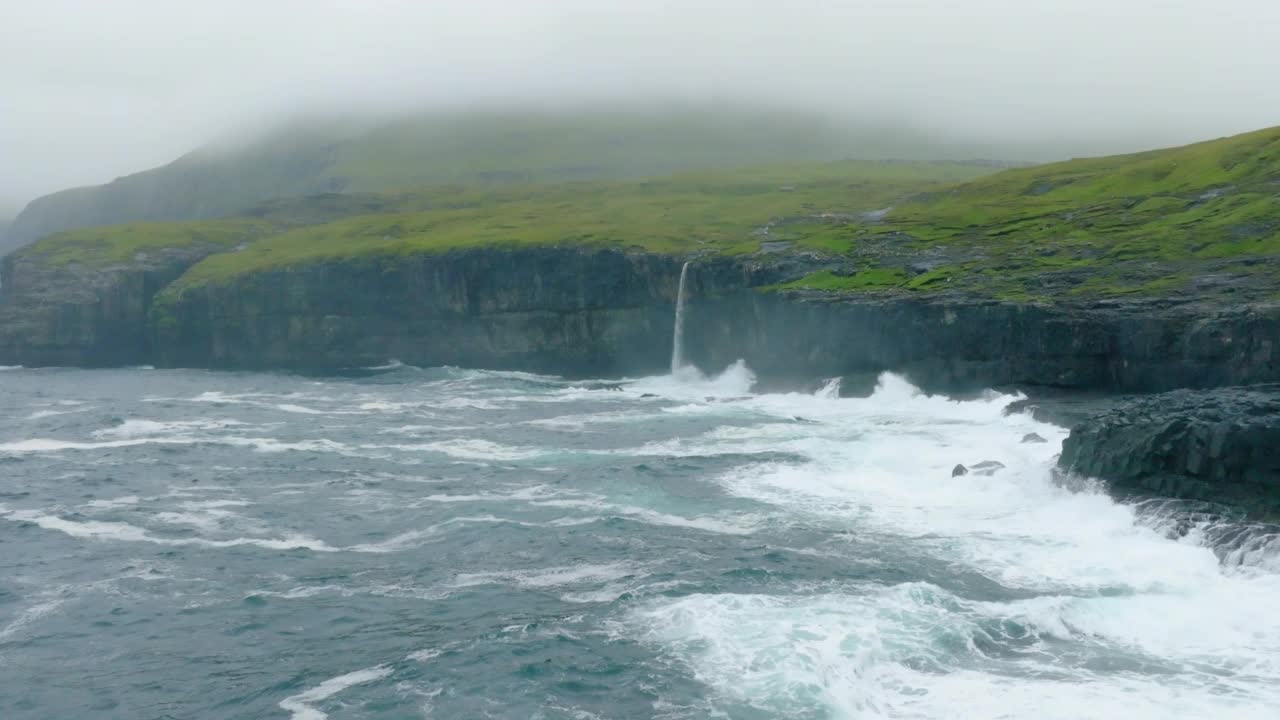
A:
(406, 543)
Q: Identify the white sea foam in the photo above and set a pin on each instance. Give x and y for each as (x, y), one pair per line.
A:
(48, 445)
(532, 492)
(388, 406)
(880, 467)
(550, 577)
(268, 401)
(467, 403)
(403, 541)
(300, 706)
(914, 651)
(125, 532)
(209, 520)
(141, 428)
(468, 449)
(113, 503)
(29, 615)
(274, 445)
(737, 524)
(588, 421)
(41, 414)
(376, 590)
(391, 364)
(735, 381)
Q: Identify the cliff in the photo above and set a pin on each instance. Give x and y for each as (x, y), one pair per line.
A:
(608, 312)
(1141, 272)
(71, 314)
(1221, 446)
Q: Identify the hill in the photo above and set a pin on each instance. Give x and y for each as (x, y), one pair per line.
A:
(480, 148)
(1196, 221)
(1130, 273)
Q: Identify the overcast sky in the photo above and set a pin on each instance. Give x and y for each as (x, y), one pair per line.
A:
(90, 90)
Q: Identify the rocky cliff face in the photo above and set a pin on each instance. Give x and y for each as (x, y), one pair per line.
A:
(567, 312)
(605, 312)
(69, 314)
(958, 344)
(1219, 445)
(610, 312)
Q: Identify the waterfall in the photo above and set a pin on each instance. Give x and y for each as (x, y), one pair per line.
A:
(677, 341)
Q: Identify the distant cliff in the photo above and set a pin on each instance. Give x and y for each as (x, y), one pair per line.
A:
(609, 312)
(1142, 272)
(198, 186)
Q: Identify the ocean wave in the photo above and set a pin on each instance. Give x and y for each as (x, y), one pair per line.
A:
(125, 532)
(302, 592)
(392, 364)
(739, 524)
(552, 576)
(911, 650)
(300, 706)
(138, 428)
(469, 449)
(31, 614)
(534, 492)
(41, 414)
(113, 503)
(47, 445)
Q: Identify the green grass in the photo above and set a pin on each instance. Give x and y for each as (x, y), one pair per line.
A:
(708, 211)
(1127, 225)
(114, 244)
(1149, 224)
(723, 212)
(487, 148)
(871, 279)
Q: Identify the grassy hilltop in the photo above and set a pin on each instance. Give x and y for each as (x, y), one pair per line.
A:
(1149, 223)
(478, 148)
(1203, 218)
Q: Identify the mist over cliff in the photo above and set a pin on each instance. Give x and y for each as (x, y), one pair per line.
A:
(95, 91)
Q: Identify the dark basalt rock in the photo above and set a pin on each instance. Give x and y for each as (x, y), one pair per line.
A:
(1218, 445)
(608, 312)
(1033, 438)
(959, 470)
(987, 467)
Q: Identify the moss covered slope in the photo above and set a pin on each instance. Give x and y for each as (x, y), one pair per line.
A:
(719, 212)
(1202, 218)
(1201, 221)
(473, 148)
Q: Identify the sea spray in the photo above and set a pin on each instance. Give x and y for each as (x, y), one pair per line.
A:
(787, 554)
(677, 341)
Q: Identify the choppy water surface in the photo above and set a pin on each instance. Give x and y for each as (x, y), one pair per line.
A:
(459, 544)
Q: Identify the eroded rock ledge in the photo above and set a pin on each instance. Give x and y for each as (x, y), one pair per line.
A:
(607, 312)
(1219, 445)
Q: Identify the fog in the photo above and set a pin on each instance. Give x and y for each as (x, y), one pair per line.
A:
(93, 90)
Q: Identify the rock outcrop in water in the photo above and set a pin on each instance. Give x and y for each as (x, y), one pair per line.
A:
(1220, 445)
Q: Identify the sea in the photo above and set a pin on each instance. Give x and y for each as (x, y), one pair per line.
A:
(402, 542)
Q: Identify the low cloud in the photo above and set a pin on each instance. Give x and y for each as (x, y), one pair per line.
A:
(90, 91)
